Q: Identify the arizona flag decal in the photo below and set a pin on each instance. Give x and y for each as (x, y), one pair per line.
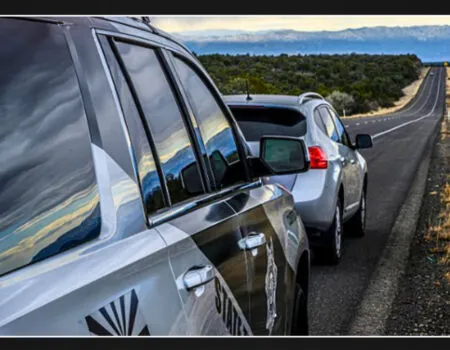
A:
(120, 317)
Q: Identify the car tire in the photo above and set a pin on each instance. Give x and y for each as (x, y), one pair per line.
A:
(332, 248)
(356, 226)
(300, 316)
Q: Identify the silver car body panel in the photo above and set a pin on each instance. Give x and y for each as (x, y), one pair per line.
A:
(54, 296)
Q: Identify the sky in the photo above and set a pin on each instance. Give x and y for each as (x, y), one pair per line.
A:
(173, 24)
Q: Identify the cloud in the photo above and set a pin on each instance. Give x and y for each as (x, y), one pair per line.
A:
(298, 22)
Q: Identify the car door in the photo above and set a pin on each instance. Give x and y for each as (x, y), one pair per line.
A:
(77, 257)
(353, 166)
(261, 211)
(200, 228)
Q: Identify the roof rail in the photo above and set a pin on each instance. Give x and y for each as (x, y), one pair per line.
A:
(130, 21)
(147, 21)
(309, 95)
(141, 19)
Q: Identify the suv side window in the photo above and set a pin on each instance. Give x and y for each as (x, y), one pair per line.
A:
(49, 198)
(319, 122)
(152, 194)
(340, 128)
(164, 120)
(215, 129)
(329, 124)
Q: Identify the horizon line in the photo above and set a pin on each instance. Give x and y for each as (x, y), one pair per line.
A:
(307, 31)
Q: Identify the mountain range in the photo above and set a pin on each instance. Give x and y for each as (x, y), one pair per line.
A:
(429, 43)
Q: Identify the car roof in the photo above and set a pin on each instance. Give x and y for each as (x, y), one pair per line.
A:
(290, 101)
(111, 23)
(261, 100)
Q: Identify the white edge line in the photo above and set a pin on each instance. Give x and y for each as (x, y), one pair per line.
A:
(411, 121)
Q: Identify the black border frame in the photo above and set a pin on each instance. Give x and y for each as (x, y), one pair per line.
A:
(227, 343)
(236, 8)
(284, 7)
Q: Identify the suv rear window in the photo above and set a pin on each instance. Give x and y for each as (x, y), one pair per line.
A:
(258, 121)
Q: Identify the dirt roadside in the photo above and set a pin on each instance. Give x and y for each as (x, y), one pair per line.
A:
(422, 303)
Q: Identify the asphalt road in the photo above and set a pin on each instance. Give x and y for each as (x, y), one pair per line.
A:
(400, 139)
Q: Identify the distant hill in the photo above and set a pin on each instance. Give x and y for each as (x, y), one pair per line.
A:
(429, 43)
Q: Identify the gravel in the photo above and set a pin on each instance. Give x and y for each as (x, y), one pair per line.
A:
(422, 303)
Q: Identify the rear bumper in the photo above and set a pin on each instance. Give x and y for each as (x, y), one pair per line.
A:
(315, 194)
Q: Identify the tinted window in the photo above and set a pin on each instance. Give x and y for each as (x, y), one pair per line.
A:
(328, 123)
(165, 121)
(340, 128)
(319, 122)
(259, 121)
(215, 130)
(283, 155)
(49, 199)
(148, 175)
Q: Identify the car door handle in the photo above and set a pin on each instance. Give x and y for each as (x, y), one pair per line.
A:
(252, 241)
(198, 276)
(352, 161)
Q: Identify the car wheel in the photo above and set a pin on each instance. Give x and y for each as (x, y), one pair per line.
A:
(300, 316)
(356, 226)
(332, 251)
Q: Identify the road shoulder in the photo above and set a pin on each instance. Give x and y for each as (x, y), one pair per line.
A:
(375, 308)
(422, 304)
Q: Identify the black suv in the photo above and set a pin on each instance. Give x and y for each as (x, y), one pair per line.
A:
(129, 204)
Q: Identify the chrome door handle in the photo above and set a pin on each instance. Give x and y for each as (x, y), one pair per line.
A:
(352, 161)
(343, 161)
(198, 276)
(252, 241)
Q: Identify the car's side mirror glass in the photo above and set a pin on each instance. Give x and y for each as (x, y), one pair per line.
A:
(363, 141)
(284, 155)
(190, 179)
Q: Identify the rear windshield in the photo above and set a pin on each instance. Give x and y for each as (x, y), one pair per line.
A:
(258, 121)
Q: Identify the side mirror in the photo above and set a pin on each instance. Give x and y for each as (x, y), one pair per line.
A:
(363, 141)
(189, 179)
(284, 155)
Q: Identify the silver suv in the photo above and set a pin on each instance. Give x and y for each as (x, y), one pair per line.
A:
(129, 204)
(333, 190)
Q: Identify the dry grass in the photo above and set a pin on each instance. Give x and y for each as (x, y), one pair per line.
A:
(447, 84)
(440, 233)
(444, 132)
(409, 92)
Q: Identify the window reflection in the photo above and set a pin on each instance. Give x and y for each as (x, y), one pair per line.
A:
(342, 135)
(165, 121)
(214, 128)
(329, 125)
(148, 175)
(49, 199)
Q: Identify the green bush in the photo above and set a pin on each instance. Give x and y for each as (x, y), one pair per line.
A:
(370, 80)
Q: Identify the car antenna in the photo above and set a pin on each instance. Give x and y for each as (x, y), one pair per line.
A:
(249, 98)
(145, 19)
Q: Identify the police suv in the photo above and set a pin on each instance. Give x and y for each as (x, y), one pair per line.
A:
(129, 202)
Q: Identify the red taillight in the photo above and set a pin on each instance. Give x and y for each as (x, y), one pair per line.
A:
(318, 158)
